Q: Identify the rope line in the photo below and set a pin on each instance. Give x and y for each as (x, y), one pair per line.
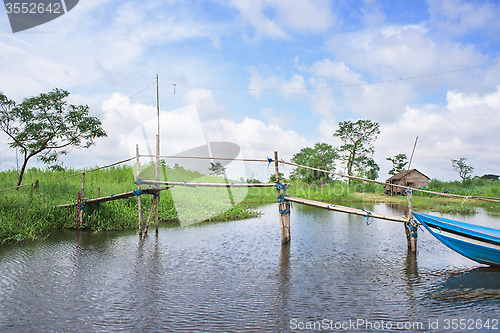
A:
(128, 99)
(103, 167)
(336, 86)
(75, 174)
(368, 215)
(393, 185)
(11, 188)
(269, 160)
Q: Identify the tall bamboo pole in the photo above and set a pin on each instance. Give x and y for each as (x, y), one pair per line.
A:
(156, 198)
(157, 170)
(413, 150)
(139, 188)
(285, 234)
(83, 189)
(410, 226)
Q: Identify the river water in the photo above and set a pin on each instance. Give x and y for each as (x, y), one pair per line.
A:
(338, 274)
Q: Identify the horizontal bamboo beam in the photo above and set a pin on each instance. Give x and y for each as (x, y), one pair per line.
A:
(190, 184)
(344, 209)
(210, 158)
(116, 196)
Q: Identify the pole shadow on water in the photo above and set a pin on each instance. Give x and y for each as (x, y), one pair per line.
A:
(147, 282)
(283, 289)
(412, 278)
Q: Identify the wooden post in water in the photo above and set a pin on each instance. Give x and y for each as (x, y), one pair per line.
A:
(157, 174)
(81, 199)
(283, 207)
(287, 221)
(410, 226)
(139, 188)
(78, 206)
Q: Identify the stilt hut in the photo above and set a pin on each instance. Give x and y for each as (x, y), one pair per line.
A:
(410, 178)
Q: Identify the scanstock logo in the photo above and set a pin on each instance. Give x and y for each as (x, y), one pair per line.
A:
(29, 14)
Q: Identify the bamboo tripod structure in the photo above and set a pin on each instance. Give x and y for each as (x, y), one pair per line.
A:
(284, 200)
(284, 212)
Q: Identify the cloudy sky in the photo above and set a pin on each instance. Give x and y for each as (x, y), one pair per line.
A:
(272, 75)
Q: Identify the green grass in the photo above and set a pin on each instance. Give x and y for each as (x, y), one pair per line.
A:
(31, 212)
(336, 191)
(341, 192)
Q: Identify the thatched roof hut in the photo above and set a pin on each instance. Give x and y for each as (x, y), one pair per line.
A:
(409, 178)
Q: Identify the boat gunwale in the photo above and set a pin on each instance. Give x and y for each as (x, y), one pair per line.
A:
(492, 239)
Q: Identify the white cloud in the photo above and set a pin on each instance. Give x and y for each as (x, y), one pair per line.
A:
(467, 127)
(275, 18)
(322, 101)
(399, 52)
(24, 73)
(378, 102)
(294, 87)
(372, 15)
(205, 102)
(283, 119)
(459, 17)
(336, 70)
(87, 45)
(256, 140)
(326, 129)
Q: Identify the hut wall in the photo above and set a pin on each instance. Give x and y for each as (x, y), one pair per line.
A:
(417, 180)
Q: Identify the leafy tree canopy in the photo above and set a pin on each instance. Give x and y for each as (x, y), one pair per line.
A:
(490, 177)
(358, 149)
(272, 178)
(399, 163)
(322, 156)
(460, 166)
(216, 169)
(371, 169)
(45, 126)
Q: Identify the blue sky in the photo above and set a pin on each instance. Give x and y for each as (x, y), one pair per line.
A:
(105, 51)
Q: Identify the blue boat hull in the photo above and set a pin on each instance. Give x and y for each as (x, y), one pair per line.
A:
(481, 244)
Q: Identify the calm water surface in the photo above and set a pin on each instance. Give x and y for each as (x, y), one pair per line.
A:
(338, 274)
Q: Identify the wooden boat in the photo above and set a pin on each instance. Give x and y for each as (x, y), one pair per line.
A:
(481, 244)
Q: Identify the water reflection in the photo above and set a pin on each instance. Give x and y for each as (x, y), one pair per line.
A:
(479, 284)
(236, 276)
(398, 209)
(283, 295)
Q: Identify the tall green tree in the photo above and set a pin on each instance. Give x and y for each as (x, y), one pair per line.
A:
(358, 149)
(460, 166)
(322, 156)
(372, 169)
(216, 169)
(399, 163)
(46, 126)
(272, 178)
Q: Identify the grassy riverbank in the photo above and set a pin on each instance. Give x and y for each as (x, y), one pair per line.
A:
(340, 192)
(31, 212)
